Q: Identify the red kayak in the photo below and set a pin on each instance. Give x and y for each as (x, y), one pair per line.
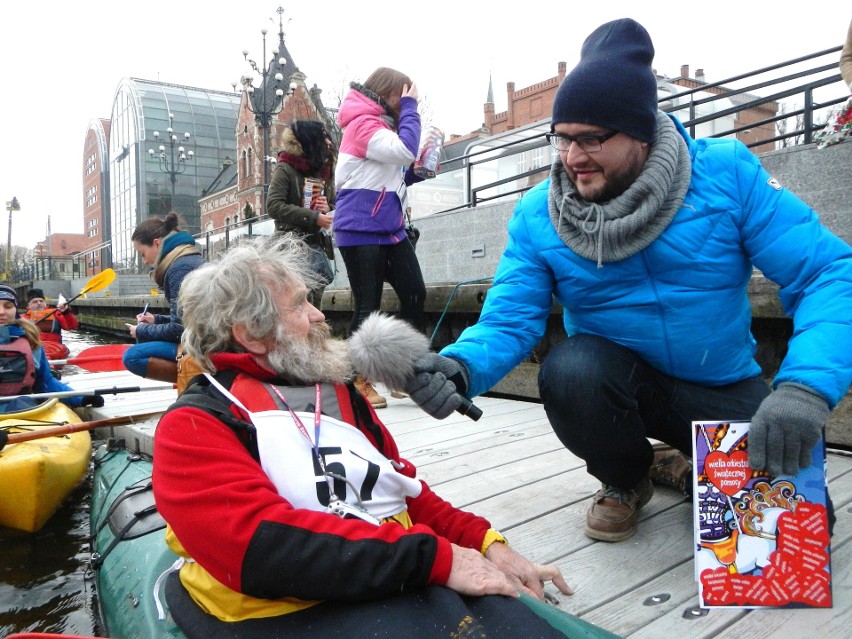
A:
(56, 350)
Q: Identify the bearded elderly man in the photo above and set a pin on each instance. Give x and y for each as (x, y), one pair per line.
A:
(288, 497)
(648, 239)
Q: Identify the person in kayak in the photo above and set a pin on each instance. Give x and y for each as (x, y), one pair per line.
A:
(51, 321)
(298, 517)
(24, 368)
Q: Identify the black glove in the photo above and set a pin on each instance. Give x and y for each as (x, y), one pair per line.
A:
(436, 385)
(95, 401)
(785, 428)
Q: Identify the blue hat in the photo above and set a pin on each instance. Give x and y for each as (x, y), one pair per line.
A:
(8, 294)
(613, 85)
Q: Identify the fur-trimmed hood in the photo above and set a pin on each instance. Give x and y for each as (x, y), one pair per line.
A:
(289, 144)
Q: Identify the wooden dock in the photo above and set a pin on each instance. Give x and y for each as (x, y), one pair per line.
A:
(510, 468)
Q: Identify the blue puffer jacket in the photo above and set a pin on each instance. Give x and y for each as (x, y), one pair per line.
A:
(681, 303)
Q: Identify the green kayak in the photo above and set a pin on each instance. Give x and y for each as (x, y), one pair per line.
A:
(129, 551)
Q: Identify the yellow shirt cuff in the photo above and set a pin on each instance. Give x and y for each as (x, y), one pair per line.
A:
(491, 537)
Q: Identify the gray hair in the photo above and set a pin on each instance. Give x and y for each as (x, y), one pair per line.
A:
(237, 290)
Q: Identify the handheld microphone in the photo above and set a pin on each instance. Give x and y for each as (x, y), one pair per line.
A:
(384, 349)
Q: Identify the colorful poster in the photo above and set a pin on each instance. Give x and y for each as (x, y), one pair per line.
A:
(760, 541)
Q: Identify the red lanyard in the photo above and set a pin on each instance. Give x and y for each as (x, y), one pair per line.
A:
(317, 412)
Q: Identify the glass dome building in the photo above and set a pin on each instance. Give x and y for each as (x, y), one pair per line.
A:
(172, 177)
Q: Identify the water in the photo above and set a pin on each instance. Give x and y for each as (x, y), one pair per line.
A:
(43, 584)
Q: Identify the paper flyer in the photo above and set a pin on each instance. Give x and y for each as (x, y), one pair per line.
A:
(760, 541)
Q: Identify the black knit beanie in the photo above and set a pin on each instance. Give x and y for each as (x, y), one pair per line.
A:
(613, 85)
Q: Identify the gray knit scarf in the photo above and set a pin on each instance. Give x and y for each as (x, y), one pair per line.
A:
(615, 230)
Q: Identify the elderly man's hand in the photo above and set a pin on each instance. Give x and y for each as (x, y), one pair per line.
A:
(473, 574)
(526, 576)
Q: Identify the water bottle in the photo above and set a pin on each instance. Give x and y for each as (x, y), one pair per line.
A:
(426, 164)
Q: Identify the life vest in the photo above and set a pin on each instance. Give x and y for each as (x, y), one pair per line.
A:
(46, 321)
(17, 367)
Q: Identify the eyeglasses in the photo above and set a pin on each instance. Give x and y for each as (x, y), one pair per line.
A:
(589, 143)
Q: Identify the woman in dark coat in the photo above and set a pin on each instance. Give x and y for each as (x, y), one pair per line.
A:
(307, 154)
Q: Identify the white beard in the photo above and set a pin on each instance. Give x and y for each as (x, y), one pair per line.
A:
(315, 358)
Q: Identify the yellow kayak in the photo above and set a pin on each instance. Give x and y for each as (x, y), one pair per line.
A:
(38, 475)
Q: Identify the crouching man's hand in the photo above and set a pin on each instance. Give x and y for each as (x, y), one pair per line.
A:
(438, 384)
(785, 428)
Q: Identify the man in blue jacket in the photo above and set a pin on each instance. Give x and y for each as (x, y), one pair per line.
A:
(648, 239)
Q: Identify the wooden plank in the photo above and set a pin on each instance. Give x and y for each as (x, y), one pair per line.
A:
(555, 477)
(479, 460)
(410, 425)
(454, 436)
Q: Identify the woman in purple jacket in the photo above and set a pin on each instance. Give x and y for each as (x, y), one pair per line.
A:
(381, 133)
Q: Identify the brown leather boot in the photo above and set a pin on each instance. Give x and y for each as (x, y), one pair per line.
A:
(163, 370)
(671, 468)
(612, 515)
(367, 390)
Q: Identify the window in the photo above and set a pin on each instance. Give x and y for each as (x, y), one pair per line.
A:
(536, 159)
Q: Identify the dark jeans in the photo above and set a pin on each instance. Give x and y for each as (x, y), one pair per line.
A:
(603, 402)
(319, 265)
(370, 266)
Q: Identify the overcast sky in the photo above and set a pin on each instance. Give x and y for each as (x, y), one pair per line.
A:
(62, 61)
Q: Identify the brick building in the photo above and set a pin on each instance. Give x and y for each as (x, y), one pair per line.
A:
(96, 196)
(535, 103)
(238, 192)
(59, 256)
(523, 124)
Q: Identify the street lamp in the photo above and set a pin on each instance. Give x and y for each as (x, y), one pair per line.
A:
(11, 205)
(269, 102)
(174, 162)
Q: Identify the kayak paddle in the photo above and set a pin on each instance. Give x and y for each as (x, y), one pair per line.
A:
(115, 390)
(64, 429)
(97, 283)
(97, 359)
